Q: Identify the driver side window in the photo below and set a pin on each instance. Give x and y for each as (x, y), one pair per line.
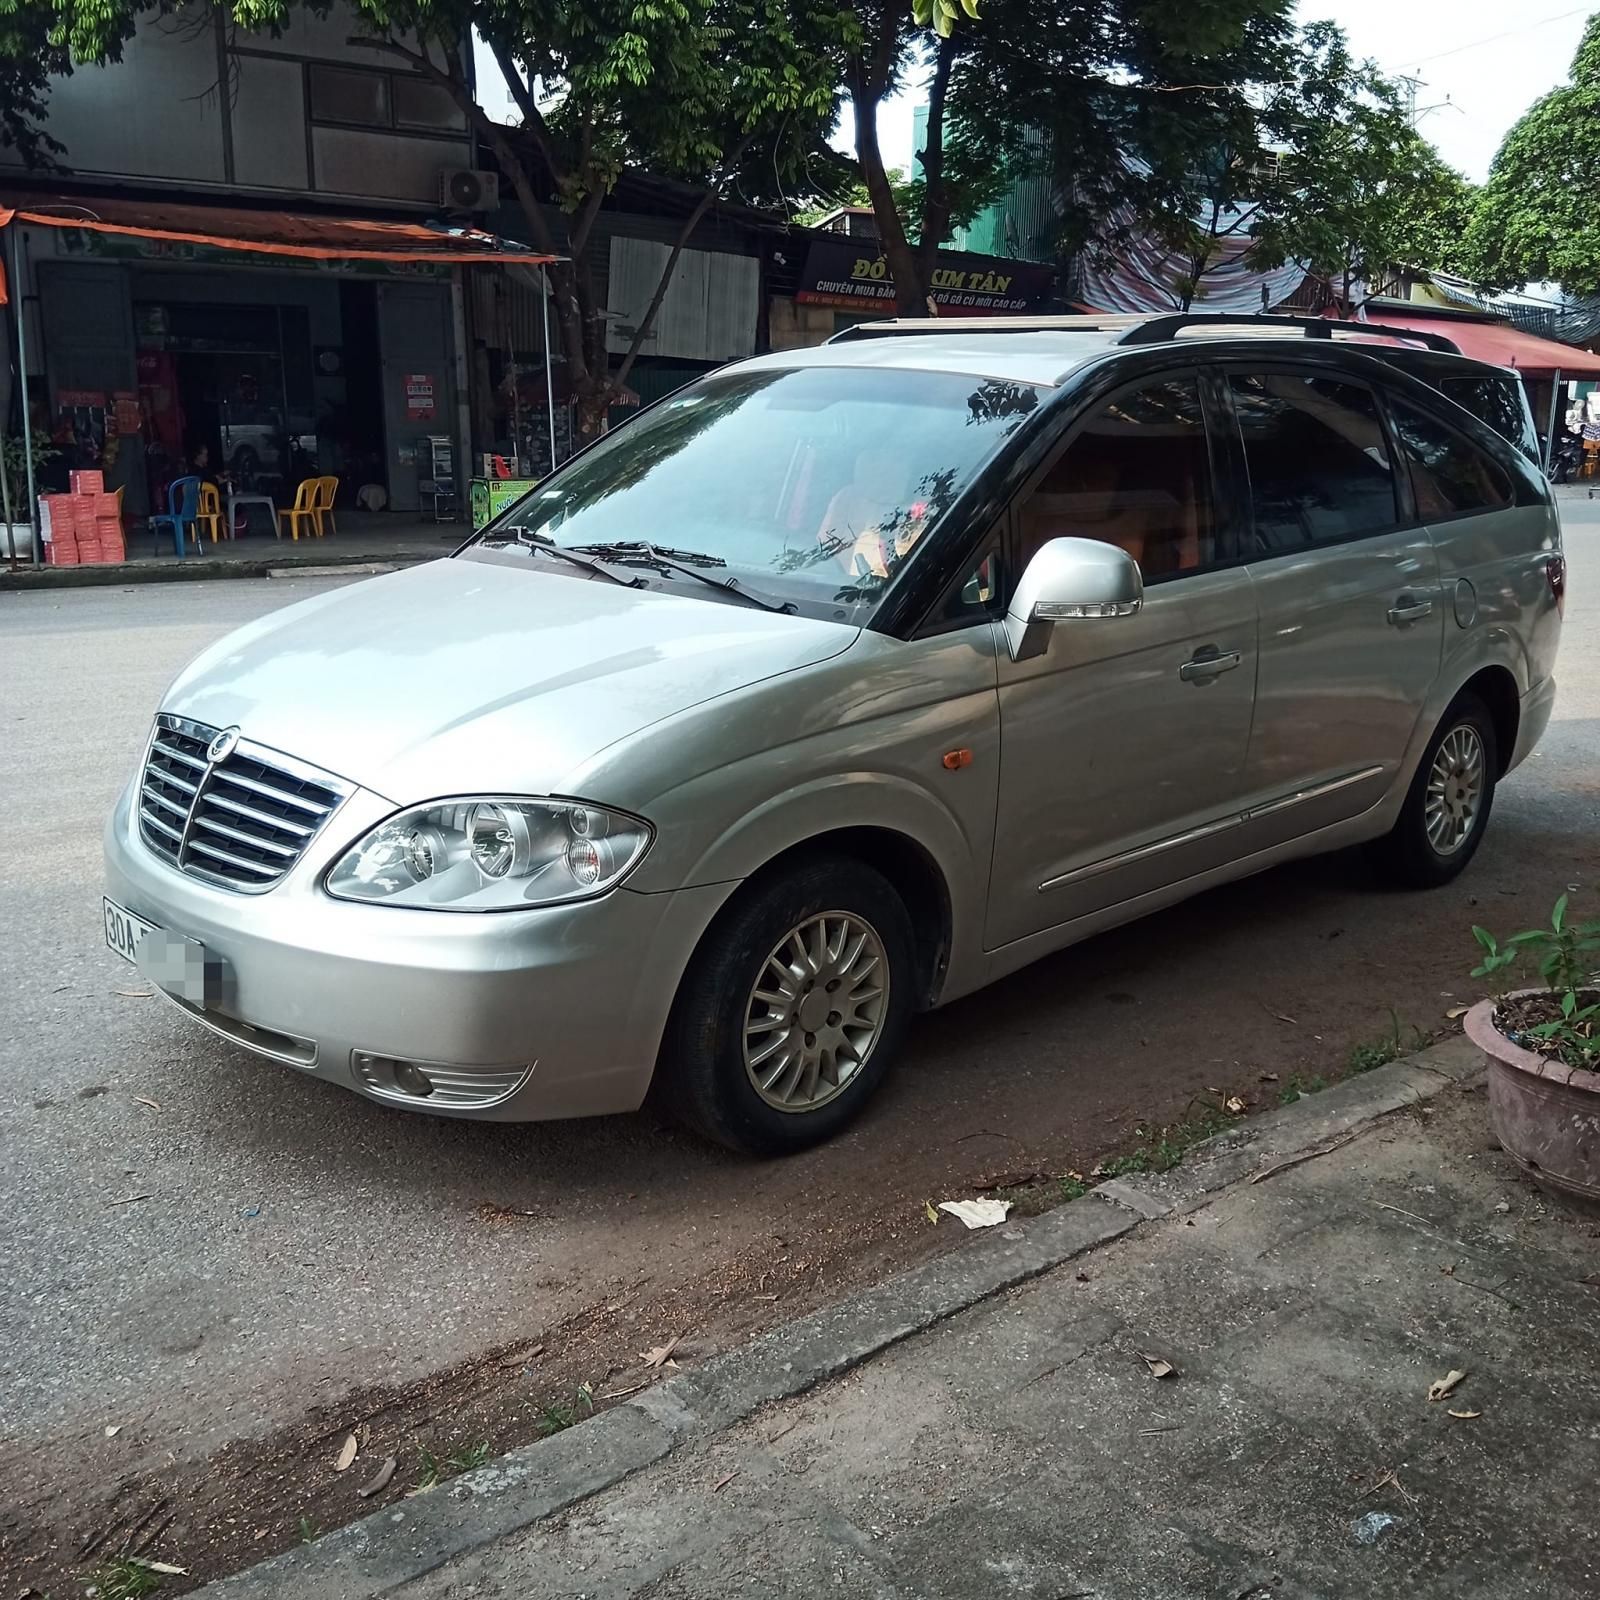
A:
(1137, 475)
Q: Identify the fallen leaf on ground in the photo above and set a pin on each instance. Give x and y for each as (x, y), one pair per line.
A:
(977, 1213)
(347, 1454)
(155, 1105)
(1437, 1391)
(1159, 1368)
(135, 994)
(1233, 1105)
(1269, 1077)
(113, 1429)
(1503, 1207)
(722, 1483)
(927, 1206)
(1457, 1011)
(1466, 1416)
(380, 1481)
(522, 1357)
(658, 1355)
(165, 1567)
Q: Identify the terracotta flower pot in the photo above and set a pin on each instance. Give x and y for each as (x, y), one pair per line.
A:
(1545, 1114)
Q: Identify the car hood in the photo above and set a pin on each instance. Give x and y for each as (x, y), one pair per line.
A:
(469, 675)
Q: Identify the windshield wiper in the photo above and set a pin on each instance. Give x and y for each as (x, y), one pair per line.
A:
(548, 547)
(689, 563)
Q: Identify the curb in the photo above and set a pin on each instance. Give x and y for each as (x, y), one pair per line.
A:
(195, 568)
(391, 1548)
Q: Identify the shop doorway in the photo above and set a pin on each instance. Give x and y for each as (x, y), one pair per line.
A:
(231, 384)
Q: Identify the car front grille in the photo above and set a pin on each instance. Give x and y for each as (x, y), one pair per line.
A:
(240, 821)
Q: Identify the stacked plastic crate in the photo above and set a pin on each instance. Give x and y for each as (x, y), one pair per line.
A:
(85, 526)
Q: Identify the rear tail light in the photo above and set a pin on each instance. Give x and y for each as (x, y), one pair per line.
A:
(1555, 572)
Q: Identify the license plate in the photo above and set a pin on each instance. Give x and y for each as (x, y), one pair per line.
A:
(124, 931)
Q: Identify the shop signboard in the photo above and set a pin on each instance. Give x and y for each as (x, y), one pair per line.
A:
(852, 275)
(491, 496)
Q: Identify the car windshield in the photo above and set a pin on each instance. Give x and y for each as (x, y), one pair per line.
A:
(808, 487)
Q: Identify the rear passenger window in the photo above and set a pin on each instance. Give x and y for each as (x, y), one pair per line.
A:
(1501, 403)
(1137, 475)
(1449, 476)
(1319, 463)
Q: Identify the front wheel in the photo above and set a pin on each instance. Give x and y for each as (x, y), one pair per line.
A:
(1447, 809)
(792, 1009)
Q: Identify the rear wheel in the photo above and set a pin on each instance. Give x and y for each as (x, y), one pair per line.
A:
(792, 1009)
(1447, 809)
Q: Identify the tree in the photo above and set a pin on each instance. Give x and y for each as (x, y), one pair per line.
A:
(1357, 190)
(1121, 96)
(687, 89)
(907, 201)
(1537, 217)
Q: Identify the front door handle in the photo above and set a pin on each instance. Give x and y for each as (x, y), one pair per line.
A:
(1209, 663)
(1406, 609)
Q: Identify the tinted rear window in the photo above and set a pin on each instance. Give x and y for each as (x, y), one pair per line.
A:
(1501, 403)
(1449, 476)
(1318, 459)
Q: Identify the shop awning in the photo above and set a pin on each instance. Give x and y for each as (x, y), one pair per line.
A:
(1498, 343)
(301, 235)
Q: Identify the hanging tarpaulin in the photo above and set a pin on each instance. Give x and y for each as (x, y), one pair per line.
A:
(177, 231)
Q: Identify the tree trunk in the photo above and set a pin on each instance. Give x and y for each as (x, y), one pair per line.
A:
(936, 194)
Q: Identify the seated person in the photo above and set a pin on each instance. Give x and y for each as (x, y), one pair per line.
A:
(868, 525)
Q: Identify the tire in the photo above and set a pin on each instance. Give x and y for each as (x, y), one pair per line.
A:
(1409, 854)
(826, 1069)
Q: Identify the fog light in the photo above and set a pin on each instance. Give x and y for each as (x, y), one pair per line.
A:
(410, 1077)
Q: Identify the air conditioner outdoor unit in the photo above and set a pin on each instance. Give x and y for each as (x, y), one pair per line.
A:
(461, 189)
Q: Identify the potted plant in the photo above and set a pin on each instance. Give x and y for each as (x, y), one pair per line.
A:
(1543, 1050)
(16, 536)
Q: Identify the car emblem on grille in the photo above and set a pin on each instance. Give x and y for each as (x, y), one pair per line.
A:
(221, 746)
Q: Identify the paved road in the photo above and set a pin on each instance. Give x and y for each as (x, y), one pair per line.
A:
(292, 1240)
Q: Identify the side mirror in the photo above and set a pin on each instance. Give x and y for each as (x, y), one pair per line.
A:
(1070, 580)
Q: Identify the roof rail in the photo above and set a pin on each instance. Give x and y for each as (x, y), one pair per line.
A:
(1161, 329)
(1142, 328)
(888, 327)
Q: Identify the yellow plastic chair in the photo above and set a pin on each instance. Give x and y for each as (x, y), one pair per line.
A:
(209, 516)
(327, 488)
(304, 510)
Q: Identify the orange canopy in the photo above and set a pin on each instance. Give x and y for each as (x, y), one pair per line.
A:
(271, 233)
(1498, 343)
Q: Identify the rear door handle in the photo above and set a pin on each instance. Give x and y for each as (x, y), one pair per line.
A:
(1406, 609)
(1209, 663)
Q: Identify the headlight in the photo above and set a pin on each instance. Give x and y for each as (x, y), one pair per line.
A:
(491, 854)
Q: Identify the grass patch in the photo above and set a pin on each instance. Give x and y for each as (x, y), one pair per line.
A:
(1388, 1047)
(1297, 1088)
(123, 1578)
(435, 1468)
(309, 1531)
(1161, 1149)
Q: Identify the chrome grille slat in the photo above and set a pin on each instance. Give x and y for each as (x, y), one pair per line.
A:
(180, 812)
(298, 828)
(165, 827)
(240, 822)
(218, 853)
(315, 807)
(184, 756)
(211, 825)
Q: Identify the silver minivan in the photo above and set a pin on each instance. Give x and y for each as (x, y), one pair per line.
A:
(830, 689)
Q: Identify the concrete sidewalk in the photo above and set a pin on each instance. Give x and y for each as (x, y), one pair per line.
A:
(363, 540)
(1307, 1277)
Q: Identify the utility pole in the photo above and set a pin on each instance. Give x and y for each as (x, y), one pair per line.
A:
(1409, 85)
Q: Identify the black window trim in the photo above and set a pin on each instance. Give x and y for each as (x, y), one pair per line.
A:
(1405, 518)
(995, 542)
(1510, 503)
(1224, 526)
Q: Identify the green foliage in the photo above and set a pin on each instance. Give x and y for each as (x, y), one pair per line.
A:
(14, 464)
(942, 15)
(1538, 218)
(1566, 955)
(1387, 1047)
(125, 1578)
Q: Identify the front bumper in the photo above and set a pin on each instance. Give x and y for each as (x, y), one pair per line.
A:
(516, 1016)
